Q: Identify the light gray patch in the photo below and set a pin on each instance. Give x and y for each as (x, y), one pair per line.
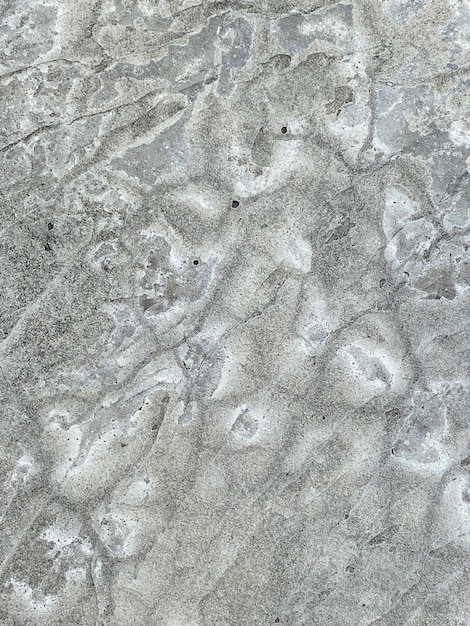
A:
(401, 11)
(29, 31)
(167, 154)
(238, 35)
(422, 429)
(333, 25)
(245, 426)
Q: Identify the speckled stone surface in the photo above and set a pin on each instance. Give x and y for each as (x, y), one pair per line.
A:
(235, 306)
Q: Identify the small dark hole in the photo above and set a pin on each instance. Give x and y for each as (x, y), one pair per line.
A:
(323, 417)
(195, 262)
(47, 247)
(235, 204)
(277, 620)
(50, 225)
(284, 130)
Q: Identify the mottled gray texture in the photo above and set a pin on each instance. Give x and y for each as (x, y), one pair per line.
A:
(235, 339)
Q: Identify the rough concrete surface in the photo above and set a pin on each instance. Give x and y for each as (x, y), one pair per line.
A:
(235, 306)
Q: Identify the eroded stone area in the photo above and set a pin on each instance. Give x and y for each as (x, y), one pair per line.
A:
(235, 341)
